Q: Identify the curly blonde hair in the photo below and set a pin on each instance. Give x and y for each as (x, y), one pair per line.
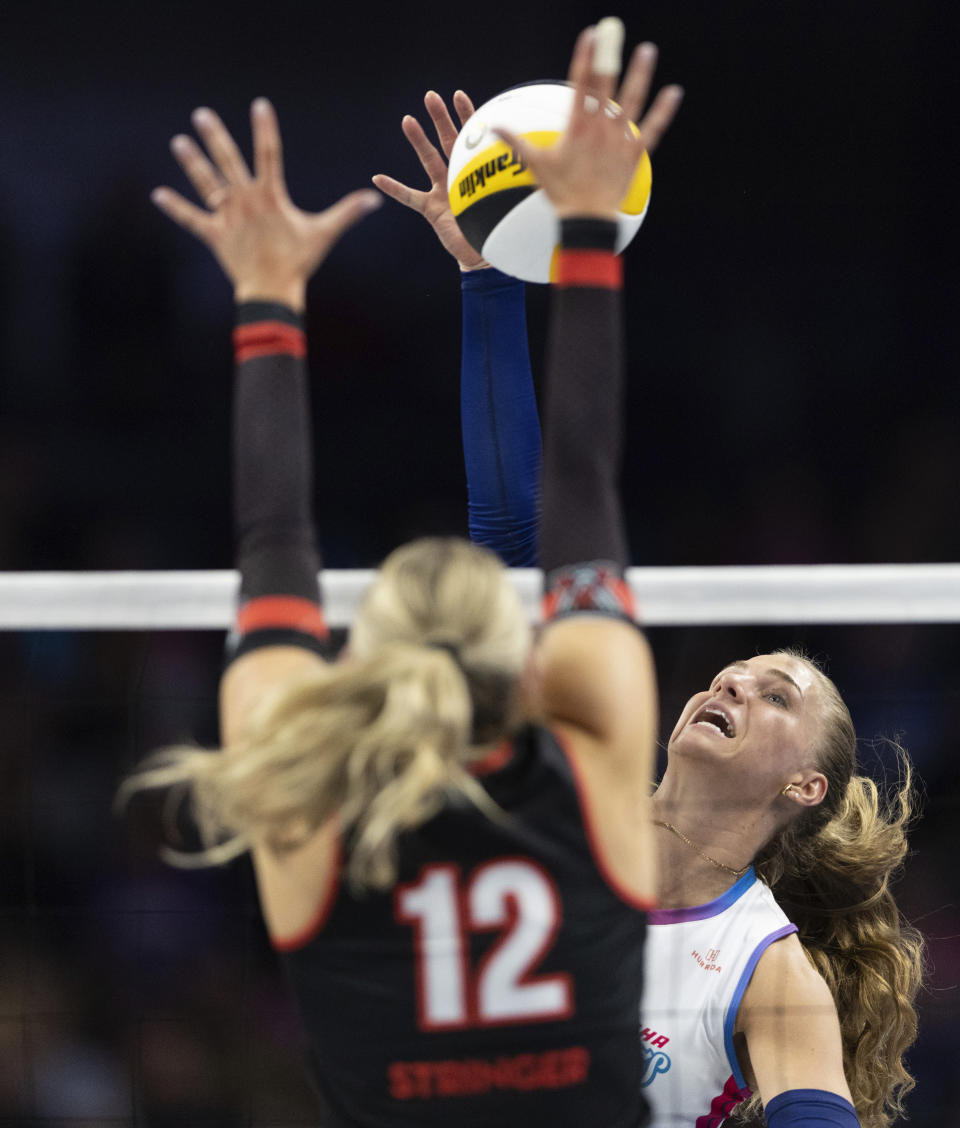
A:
(831, 869)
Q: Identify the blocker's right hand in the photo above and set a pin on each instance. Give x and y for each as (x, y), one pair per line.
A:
(267, 246)
(588, 170)
(434, 204)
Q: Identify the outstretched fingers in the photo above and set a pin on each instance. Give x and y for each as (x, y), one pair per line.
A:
(206, 180)
(463, 105)
(349, 210)
(529, 154)
(635, 88)
(267, 145)
(659, 117)
(433, 164)
(590, 89)
(434, 204)
(181, 211)
(582, 50)
(442, 122)
(221, 146)
(402, 193)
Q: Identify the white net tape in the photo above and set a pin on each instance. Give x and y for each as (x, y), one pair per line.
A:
(788, 594)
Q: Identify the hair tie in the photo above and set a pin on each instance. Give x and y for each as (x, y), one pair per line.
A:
(450, 647)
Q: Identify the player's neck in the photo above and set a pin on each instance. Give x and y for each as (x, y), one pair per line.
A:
(685, 880)
(702, 847)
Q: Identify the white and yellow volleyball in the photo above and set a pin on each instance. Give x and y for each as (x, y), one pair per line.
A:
(494, 196)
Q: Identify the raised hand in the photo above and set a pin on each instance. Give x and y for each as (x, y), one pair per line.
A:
(434, 204)
(588, 171)
(267, 246)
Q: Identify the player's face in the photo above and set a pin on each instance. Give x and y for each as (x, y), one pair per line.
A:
(761, 715)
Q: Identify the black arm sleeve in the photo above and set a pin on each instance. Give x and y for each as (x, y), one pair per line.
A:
(582, 522)
(582, 519)
(273, 483)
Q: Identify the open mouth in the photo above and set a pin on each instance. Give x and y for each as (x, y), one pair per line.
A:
(715, 719)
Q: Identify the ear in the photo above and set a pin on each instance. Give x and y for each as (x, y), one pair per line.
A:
(809, 792)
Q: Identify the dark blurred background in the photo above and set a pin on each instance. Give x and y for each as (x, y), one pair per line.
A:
(793, 399)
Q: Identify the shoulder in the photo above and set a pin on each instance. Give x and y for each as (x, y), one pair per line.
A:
(596, 674)
(789, 1020)
(248, 680)
(785, 973)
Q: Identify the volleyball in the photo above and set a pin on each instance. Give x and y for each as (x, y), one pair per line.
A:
(493, 194)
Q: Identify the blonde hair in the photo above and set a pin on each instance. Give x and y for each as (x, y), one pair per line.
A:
(380, 740)
(831, 869)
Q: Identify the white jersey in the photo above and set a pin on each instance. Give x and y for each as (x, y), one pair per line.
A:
(698, 964)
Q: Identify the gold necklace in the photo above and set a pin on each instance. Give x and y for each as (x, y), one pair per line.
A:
(693, 846)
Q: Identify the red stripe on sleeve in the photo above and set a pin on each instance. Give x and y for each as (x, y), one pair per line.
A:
(590, 268)
(624, 595)
(548, 606)
(268, 338)
(270, 612)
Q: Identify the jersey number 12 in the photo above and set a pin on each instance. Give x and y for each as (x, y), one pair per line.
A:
(514, 896)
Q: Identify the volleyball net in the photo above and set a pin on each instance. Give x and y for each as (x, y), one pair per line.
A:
(690, 596)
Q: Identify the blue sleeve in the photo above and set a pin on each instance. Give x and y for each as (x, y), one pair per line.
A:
(810, 1108)
(498, 407)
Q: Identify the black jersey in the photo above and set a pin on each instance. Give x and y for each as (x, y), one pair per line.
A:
(498, 982)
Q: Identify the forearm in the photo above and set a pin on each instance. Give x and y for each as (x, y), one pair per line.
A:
(585, 664)
(501, 429)
(268, 249)
(273, 481)
(581, 512)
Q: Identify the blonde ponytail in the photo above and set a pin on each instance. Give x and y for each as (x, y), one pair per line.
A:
(381, 740)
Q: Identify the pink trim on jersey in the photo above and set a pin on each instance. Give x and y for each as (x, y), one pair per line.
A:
(723, 1104)
(643, 903)
(324, 908)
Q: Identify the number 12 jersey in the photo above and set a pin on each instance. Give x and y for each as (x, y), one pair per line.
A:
(498, 982)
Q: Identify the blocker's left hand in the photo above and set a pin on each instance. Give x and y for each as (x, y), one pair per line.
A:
(267, 246)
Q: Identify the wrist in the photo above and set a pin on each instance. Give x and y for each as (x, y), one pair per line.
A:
(587, 256)
(573, 211)
(267, 309)
(291, 294)
(489, 280)
(588, 233)
(268, 328)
